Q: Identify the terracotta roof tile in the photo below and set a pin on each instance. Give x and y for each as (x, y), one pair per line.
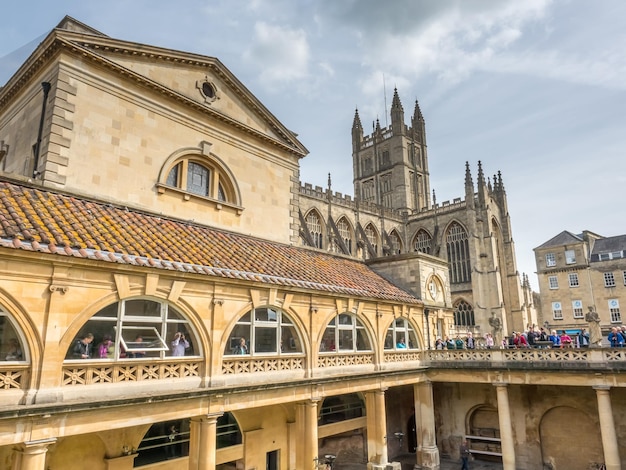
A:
(47, 222)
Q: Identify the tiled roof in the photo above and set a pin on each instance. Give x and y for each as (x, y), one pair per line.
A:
(610, 244)
(43, 221)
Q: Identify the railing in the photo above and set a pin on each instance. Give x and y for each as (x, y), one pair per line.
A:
(87, 374)
(13, 377)
(245, 365)
(571, 358)
(347, 359)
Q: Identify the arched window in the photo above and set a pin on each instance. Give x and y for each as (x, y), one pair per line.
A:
(135, 329)
(198, 173)
(11, 341)
(396, 243)
(401, 335)
(314, 225)
(164, 441)
(457, 245)
(264, 331)
(345, 333)
(423, 242)
(370, 233)
(463, 314)
(345, 233)
(228, 432)
(341, 408)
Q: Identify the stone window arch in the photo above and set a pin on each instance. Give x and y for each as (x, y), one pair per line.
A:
(396, 242)
(197, 173)
(13, 346)
(372, 236)
(346, 233)
(138, 329)
(463, 314)
(399, 330)
(316, 228)
(345, 333)
(457, 246)
(267, 332)
(423, 242)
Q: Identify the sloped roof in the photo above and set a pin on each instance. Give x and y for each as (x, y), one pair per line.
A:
(563, 238)
(609, 244)
(75, 37)
(37, 220)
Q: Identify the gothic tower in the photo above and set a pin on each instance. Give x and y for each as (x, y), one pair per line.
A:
(391, 164)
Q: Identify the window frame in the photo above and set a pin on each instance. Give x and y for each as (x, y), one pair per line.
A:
(577, 309)
(339, 324)
(570, 256)
(258, 321)
(557, 310)
(550, 260)
(401, 328)
(553, 282)
(573, 279)
(609, 279)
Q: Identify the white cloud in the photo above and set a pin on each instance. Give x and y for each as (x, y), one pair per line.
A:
(281, 54)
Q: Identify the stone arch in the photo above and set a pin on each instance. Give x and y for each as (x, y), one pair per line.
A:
(564, 428)
(464, 315)
(422, 241)
(316, 227)
(347, 233)
(456, 238)
(397, 246)
(202, 155)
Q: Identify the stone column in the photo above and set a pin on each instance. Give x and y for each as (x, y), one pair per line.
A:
(427, 451)
(376, 427)
(202, 442)
(32, 455)
(506, 428)
(607, 428)
(310, 434)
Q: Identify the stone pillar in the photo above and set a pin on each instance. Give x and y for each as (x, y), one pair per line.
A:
(32, 455)
(202, 442)
(607, 428)
(310, 434)
(376, 428)
(427, 451)
(506, 428)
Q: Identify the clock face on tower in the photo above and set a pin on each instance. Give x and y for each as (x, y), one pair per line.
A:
(432, 288)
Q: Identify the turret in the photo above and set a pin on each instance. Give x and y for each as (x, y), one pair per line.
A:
(469, 187)
(418, 125)
(397, 115)
(357, 132)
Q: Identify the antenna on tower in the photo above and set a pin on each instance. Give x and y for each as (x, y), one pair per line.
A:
(385, 95)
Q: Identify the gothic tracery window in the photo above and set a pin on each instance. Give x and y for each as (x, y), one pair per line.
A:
(464, 314)
(457, 245)
(423, 242)
(314, 225)
(396, 243)
(343, 227)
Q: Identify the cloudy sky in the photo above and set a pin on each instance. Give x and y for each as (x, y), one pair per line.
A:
(535, 89)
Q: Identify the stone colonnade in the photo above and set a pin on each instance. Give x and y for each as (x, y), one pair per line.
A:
(202, 450)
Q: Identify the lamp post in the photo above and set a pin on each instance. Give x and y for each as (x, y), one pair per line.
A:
(426, 313)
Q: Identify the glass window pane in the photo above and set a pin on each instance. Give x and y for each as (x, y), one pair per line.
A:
(265, 315)
(172, 177)
(232, 346)
(328, 340)
(362, 341)
(345, 319)
(142, 308)
(265, 340)
(11, 347)
(346, 340)
(290, 343)
(413, 344)
(197, 179)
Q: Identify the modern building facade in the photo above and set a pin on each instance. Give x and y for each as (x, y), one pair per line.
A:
(579, 272)
(158, 309)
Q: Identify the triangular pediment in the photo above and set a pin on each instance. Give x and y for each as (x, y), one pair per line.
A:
(200, 82)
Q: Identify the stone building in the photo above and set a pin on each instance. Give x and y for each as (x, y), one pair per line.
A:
(581, 272)
(157, 311)
(393, 214)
